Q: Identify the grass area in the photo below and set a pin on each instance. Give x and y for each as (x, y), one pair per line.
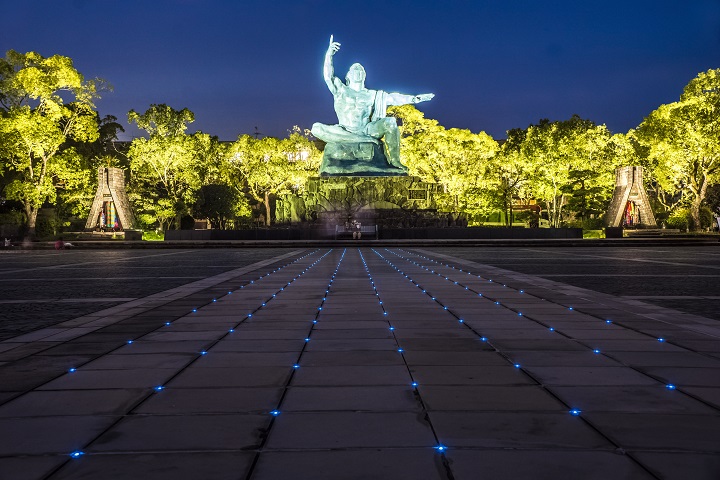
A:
(153, 236)
(593, 234)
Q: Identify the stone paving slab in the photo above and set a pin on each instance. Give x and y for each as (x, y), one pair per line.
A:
(649, 431)
(516, 430)
(680, 466)
(332, 430)
(365, 363)
(544, 465)
(628, 399)
(60, 403)
(401, 464)
(191, 432)
(184, 401)
(159, 466)
(351, 398)
(43, 435)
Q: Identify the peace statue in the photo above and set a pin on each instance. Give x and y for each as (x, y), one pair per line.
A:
(353, 145)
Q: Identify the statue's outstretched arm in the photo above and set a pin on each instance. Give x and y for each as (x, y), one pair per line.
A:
(328, 69)
(402, 99)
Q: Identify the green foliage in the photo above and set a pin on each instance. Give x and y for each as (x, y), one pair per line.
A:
(12, 218)
(52, 141)
(162, 120)
(220, 204)
(508, 177)
(454, 158)
(556, 150)
(593, 233)
(586, 198)
(680, 219)
(46, 227)
(170, 166)
(269, 166)
(36, 123)
(153, 236)
(683, 141)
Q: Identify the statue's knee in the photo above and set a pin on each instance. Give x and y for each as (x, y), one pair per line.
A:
(390, 125)
(317, 129)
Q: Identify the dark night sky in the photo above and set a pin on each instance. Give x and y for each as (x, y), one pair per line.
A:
(492, 65)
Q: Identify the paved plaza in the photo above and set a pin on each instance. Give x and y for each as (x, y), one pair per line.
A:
(361, 363)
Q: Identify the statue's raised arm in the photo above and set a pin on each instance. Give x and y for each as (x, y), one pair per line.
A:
(328, 69)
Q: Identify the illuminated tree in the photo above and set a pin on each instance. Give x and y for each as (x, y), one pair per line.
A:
(455, 158)
(270, 166)
(169, 166)
(220, 204)
(508, 174)
(683, 139)
(36, 121)
(75, 191)
(556, 149)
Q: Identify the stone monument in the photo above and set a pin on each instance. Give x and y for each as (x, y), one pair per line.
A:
(630, 206)
(111, 208)
(365, 142)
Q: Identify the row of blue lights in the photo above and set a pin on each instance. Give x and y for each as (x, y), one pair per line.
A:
(264, 303)
(606, 321)
(159, 388)
(276, 412)
(413, 383)
(572, 411)
(596, 351)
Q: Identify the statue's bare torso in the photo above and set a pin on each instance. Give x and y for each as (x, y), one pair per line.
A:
(354, 107)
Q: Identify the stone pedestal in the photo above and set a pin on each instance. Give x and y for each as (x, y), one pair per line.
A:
(356, 159)
(630, 206)
(340, 197)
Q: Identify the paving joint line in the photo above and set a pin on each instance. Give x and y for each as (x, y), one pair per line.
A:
(150, 394)
(618, 447)
(418, 396)
(274, 413)
(639, 370)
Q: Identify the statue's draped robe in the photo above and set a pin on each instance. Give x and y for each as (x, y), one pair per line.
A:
(380, 107)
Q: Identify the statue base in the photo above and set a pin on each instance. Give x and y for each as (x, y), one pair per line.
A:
(357, 160)
(379, 200)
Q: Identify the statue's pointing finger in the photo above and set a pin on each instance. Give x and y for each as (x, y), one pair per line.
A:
(334, 46)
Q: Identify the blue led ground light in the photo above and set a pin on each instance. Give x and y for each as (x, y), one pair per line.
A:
(479, 294)
(307, 338)
(413, 383)
(214, 301)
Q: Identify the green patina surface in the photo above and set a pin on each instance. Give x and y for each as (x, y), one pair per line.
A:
(358, 159)
(365, 141)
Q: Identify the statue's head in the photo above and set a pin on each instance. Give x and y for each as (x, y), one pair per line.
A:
(356, 74)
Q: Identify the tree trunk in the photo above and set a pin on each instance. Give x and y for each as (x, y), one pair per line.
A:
(267, 208)
(695, 213)
(32, 214)
(697, 202)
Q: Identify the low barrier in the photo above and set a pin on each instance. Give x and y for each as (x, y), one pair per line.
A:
(455, 233)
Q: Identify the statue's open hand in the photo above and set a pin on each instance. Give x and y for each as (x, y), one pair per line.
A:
(334, 47)
(423, 97)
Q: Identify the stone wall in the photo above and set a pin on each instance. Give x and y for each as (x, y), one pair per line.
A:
(336, 199)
